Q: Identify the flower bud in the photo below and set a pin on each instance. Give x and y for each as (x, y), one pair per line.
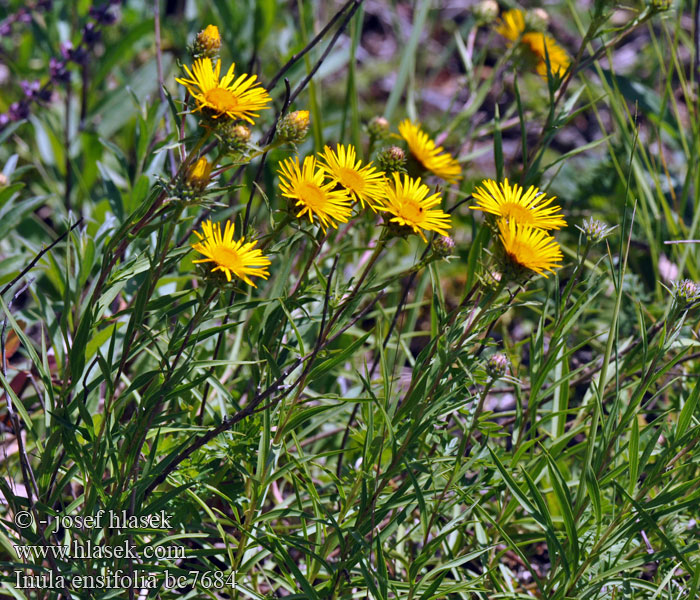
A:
(497, 365)
(378, 127)
(199, 175)
(207, 43)
(486, 11)
(595, 230)
(538, 19)
(234, 137)
(293, 127)
(3, 180)
(686, 292)
(443, 246)
(659, 5)
(392, 159)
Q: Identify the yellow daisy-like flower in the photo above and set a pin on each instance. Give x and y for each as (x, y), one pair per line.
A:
(365, 184)
(532, 208)
(544, 46)
(238, 258)
(305, 185)
(530, 248)
(511, 25)
(411, 206)
(433, 158)
(237, 98)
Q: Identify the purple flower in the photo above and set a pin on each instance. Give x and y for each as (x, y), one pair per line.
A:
(58, 71)
(91, 35)
(30, 88)
(66, 48)
(18, 111)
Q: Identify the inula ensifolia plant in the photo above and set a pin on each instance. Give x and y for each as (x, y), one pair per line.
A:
(334, 359)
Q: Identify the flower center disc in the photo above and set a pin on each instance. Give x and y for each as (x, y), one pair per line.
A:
(312, 195)
(522, 254)
(226, 257)
(517, 212)
(351, 179)
(412, 211)
(222, 99)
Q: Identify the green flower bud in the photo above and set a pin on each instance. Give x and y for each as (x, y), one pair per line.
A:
(391, 160)
(207, 43)
(294, 126)
(497, 365)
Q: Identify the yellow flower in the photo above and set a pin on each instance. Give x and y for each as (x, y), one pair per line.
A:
(542, 46)
(209, 39)
(238, 258)
(508, 202)
(511, 25)
(300, 118)
(412, 207)
(199, 174)
(210, 35)
(364, 184)
(238, 98)
(529, 248)
(294, 126)
(306, 186)
(433, 158)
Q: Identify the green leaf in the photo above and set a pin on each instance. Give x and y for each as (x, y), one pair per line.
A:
(338, 358)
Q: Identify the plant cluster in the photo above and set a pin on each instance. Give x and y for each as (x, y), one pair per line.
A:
(309, 351)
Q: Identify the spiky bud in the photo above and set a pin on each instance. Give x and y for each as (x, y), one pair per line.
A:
(392, 160)
(235, 137)
(497, 365)
(595, 230)
(443, 246)
(207, 43)
(293, 127)
(686, 292)
(378, 128)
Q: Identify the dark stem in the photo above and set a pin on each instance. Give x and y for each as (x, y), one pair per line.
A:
(288, 65)
(37, 258)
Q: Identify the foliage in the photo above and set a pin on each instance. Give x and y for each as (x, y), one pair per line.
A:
(385, 412)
